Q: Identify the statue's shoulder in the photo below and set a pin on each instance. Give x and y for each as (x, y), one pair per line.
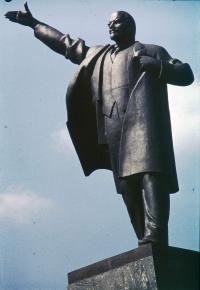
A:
(151, 47)
(94, 49)
(154, 50)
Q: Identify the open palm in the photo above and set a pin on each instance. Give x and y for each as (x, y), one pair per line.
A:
(21, 17)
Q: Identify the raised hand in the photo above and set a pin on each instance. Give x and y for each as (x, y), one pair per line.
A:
(21, 17)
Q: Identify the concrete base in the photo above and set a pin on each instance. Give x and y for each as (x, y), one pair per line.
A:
(147, 267)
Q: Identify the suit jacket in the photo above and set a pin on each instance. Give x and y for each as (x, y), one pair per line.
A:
(146, 140)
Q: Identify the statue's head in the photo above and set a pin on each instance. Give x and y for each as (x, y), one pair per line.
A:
(121, 26)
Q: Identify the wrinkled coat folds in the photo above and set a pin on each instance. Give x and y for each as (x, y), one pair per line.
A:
(146, 140)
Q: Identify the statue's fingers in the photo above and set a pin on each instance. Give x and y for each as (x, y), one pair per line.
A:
(13, 20)
(140, 65)
(11, 13)
(11, 17)
(14, 17)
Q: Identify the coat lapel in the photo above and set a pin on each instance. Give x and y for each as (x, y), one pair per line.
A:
(97, 75)
(87, 65)
(134, 76)
(139, 49)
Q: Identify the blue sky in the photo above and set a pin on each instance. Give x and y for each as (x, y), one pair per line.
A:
(54, 219)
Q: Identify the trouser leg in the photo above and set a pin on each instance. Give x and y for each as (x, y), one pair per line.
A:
(132, 196)
(156, 207)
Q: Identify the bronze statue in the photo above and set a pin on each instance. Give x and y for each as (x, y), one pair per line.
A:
(118, 115)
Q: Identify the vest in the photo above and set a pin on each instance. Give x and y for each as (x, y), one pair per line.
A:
(115, 75)
(115, 87)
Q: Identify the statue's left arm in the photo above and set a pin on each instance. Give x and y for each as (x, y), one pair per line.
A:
(168, 70)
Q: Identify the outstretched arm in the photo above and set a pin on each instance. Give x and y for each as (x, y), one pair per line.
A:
(54, 39)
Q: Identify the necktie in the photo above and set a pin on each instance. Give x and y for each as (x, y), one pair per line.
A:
(114, 53)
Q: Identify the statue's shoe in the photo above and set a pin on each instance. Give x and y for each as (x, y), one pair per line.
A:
(149, 239)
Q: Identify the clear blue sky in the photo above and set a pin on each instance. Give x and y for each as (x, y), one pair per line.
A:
(54, 219)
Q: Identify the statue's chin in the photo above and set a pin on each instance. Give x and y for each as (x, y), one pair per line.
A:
(113, 37)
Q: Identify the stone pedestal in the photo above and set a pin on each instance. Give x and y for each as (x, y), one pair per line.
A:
(147, 267)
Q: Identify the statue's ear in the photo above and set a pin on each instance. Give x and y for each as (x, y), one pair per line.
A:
(139, 50)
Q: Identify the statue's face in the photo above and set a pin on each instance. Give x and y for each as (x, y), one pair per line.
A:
(119, 26)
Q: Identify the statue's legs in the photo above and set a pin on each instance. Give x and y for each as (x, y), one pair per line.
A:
(132, 196)
(146, 195)
(156, 205)
(149, 208)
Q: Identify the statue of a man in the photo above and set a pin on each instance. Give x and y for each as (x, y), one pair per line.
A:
(118, 115)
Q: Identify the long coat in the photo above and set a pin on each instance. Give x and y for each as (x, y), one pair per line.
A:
(146, 139)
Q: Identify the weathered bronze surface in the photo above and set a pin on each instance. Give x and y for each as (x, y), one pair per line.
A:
(118, 115)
